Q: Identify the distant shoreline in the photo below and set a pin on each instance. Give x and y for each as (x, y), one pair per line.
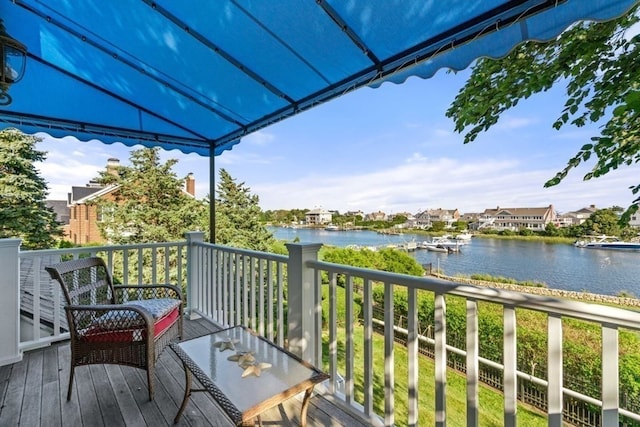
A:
(556, 293)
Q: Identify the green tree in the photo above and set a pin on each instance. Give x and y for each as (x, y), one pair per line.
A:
(602, 221)
(598, 63)
(149, 204)
(461, 225)
(23, 213)
(438, 226)
(237, 215)
(551, 230)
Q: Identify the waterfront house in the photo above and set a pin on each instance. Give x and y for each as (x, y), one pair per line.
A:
(472, 219)
(425, 219)
(357, 213)
(576, 217)
(318, 216)
(376, 216)
(514, 219)
(200, 79)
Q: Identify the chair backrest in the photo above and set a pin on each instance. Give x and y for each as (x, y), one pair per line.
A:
(85, 281)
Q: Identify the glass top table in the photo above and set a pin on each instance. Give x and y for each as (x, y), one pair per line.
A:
(245, 373)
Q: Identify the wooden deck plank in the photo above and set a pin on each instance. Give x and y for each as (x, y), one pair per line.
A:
(12, 402)
(86, 397)
(69, 410)
(32, 400)
(111, 413)
(137, 381)
(5, 376)
(129, 409)
(51, 388)
(34, 392)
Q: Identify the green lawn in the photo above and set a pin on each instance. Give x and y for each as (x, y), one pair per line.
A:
(491, 402)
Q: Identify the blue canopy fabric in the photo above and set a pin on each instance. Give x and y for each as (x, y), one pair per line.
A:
(199, 75)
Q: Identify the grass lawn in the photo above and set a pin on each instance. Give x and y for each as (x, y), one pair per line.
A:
(491, 401)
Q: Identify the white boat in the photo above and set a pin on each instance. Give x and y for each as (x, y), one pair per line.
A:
(464, 237)
(438, 248)
(607, 242)
(442, 244)
(332, 227)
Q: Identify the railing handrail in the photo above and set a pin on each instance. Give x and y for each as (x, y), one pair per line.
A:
(106, 248)
(247, 252)
(575, 309)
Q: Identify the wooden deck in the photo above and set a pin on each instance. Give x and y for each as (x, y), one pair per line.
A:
(33, 393)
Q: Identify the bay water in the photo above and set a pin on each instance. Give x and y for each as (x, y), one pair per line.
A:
(558, 265)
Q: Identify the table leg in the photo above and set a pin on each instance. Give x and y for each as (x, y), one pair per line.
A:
(305, 407)
(187, 392)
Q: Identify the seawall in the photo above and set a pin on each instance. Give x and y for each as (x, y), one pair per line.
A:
(558, 293)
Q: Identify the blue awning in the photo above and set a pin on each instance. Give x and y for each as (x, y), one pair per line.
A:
(199, 75)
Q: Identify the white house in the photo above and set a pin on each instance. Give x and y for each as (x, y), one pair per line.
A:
(514, 219)
(318, 216)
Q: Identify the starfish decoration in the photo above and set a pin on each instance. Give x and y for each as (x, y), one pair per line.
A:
(225, 344)
(255, 369)
(243, 358)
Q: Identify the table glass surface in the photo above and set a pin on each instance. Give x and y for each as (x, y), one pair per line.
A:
(211, 357)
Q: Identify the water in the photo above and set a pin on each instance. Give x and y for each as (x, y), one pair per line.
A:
(560, 266)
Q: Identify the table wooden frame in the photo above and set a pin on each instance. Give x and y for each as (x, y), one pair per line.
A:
(249, 415)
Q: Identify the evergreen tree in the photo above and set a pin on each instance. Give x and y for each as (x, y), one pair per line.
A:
(149, 204)
(238, 215)
(598, 63)
(23, 213)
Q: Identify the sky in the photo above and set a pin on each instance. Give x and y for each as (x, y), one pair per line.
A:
(389, 149)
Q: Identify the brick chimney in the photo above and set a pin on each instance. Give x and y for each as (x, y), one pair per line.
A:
(191, 184)
(112, 166)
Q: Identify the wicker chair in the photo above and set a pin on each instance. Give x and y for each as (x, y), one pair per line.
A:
(125, 325)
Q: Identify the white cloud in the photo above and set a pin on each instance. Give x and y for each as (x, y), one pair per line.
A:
(422, 183)
(259, 138)
(510, 123)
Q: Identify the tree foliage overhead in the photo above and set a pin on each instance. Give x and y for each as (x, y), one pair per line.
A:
(149, 204)
(237, 216)
(598, 63)
(23, 213)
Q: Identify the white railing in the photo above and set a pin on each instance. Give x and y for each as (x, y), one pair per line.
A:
(609, 319)
(233, 286)
(42, 316)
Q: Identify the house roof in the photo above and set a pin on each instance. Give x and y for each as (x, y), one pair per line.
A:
(198, 76)
(82, 194)
(520, 211)
(60, 208)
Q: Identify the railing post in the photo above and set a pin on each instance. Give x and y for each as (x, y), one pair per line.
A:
(10, 301)
(301, 300)
(194, 278)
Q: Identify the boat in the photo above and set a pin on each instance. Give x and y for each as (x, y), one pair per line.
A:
(442, 244)
(410, 246)
(332, 227)
(464, 237)
(438, 248)
(607, 242)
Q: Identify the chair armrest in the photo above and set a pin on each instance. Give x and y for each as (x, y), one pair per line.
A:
(110, 317)
(148, 291)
